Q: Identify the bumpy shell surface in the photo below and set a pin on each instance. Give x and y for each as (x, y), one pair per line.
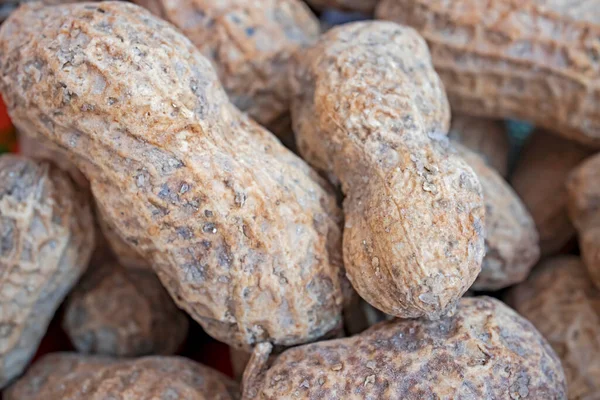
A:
(370, 111)
(486, 351)
(362, 6)
(127, 313)
(535, 60)
(564, 306)
(243, 234)
(539, 180)
(511, 241)
(583, 187)
(486, 137)
(69, 376)
(46, 240)
(249, 43)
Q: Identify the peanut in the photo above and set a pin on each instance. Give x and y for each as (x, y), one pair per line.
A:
(583, 188)
(539, 180)
(486, 137)
(511, 241)
(249, 43)
(563, 304)
(370, 111)
(485, 351)
(46, 240)
(125, 313)
(70, 376)
(242, 233)
(533, 60)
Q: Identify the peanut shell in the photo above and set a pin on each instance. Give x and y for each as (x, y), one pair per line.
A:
(539, 180)
(46, 240)
(242, 233)
(118, 312)
(563, 304)
(533, 60)
(511, 241)
(583, 187)
(485, 351)
(370, 111)
(249, 43)
(70, 376)
(486, 137)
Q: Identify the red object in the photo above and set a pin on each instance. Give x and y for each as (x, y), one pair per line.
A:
(5, 123)
(8, 139)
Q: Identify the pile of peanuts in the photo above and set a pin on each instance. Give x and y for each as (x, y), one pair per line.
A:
(303, 193)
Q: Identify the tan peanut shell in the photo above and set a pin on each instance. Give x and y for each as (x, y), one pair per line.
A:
(370, 111)
(539, 180)
(534, 60)
(70, 376)
(511, 240)
(122, 312)
(249, 43)
(583, 187)
(484, 351)
(486, 137)
(362, 6)
(46, 240)
(242, 233)
(563, 304)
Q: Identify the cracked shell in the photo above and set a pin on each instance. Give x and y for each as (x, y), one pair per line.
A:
(241, 232)
(46, 241)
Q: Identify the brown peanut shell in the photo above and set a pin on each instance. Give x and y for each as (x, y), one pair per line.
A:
(583, 187)
(370, 111)
(121, 312)
(486, 137)
(250, 44)
(485, 351)
(533, 60)
(70, 376)
(46, 241)
(539, 180)
(511, 240)
(563, 304)
(242, 233)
